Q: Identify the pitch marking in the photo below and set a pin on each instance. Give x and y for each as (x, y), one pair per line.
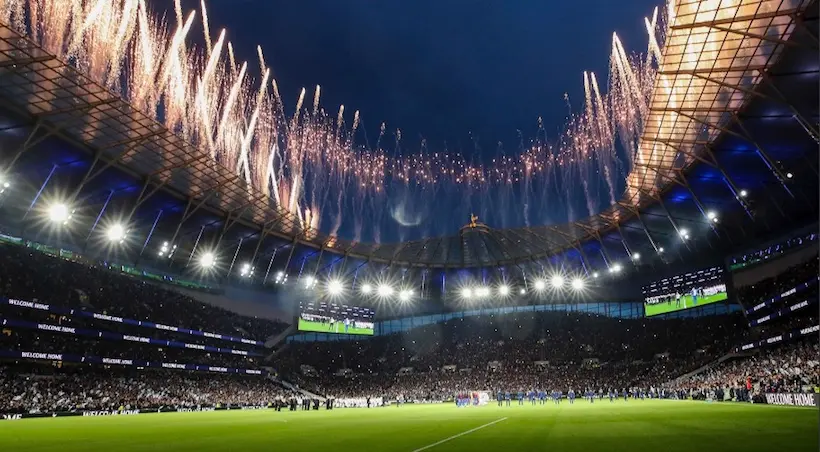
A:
(460, 434)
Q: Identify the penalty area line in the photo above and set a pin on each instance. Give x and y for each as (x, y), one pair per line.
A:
(460, 434)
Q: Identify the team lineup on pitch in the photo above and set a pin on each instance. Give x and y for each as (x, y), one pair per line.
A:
(635, 425)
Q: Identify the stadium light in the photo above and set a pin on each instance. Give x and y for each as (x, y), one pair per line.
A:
(504, 290)
(4, 184)
(405, 295)
(482, 292)
(684, 234)
(310, 281)
(167, 250)
(594, 274)
(59, 213)
(616, 268)
(116, 233)
(466, 293)
(366, 289)
(335, 287)
(280, 278)
(660, 250)
(540, 285)
(789, 175)
(385, 291)
(712, 215)
(636, 256)
(522, 291)
(577, 284)
(744, 193)
(557, 281)
(246, 270)
(207, 260)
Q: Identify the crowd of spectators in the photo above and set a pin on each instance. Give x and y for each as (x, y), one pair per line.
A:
(37, 388)
(555, 350)
(30, 275)
(768, 288)
(793, 368)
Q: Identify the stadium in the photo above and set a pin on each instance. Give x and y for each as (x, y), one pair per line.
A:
(190, 263)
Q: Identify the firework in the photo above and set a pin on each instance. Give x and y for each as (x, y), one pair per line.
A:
(311, 163)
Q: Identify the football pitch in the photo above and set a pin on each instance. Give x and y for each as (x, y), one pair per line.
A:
(686, 302)
(620, 426)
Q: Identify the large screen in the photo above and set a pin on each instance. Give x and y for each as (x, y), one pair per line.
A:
(329, 317)
(685, 291)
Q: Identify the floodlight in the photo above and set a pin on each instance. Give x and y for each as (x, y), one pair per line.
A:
(207, 260)
(335, 287)
(594, 274)
(405, 295)
(366, 289)
(616, 268)
(789, 175)
(385, 290)
(540, 284)
(636, 256)
(483, 292)
(310, 281)
(504, 290)
(660, 250)
(59, 213)
(744, 193)
(577, 283)
(684, 234)
(557, 281)
(116, 232)
(246, 270)
(522, 291)
(4, 184)
(466, 292)
(712, 215)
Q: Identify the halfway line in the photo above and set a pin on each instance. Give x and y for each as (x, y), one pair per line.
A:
(460, 434)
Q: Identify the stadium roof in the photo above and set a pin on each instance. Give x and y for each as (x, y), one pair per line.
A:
(728, 153)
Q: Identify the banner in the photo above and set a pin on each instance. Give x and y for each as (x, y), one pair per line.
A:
(781, 337)
(782, 312)
(94, 413)
(109, 318)
(124, 362)
(120, 337)
(783, 295)
(793, 399)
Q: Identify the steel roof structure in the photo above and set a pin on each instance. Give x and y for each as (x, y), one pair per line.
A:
(732, 128)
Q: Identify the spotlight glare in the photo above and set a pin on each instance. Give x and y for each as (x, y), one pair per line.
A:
(59, 213)
(483, 292)
(594, 274)
(744, 193)
(366, 289)
(540, 285)
(636, 256)
(504, 290)
(660, 250)
(385, 291)
(405, 295)
(335, 287)
(310, 281)
(712, 215)
(207, 260)
(684, 234)
(246, 270)
(466, 293)
(522, 291)
(789, 175)
(116, 233)
(616, 268)
(557, 281)
(577, 283)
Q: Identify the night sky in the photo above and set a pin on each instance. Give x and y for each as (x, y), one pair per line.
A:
(464, 75)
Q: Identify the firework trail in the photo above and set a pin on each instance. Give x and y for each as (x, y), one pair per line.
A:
(236, 114)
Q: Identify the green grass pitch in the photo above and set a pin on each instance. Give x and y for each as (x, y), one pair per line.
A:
(686, 300)
(338, 327)
(669, 426)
